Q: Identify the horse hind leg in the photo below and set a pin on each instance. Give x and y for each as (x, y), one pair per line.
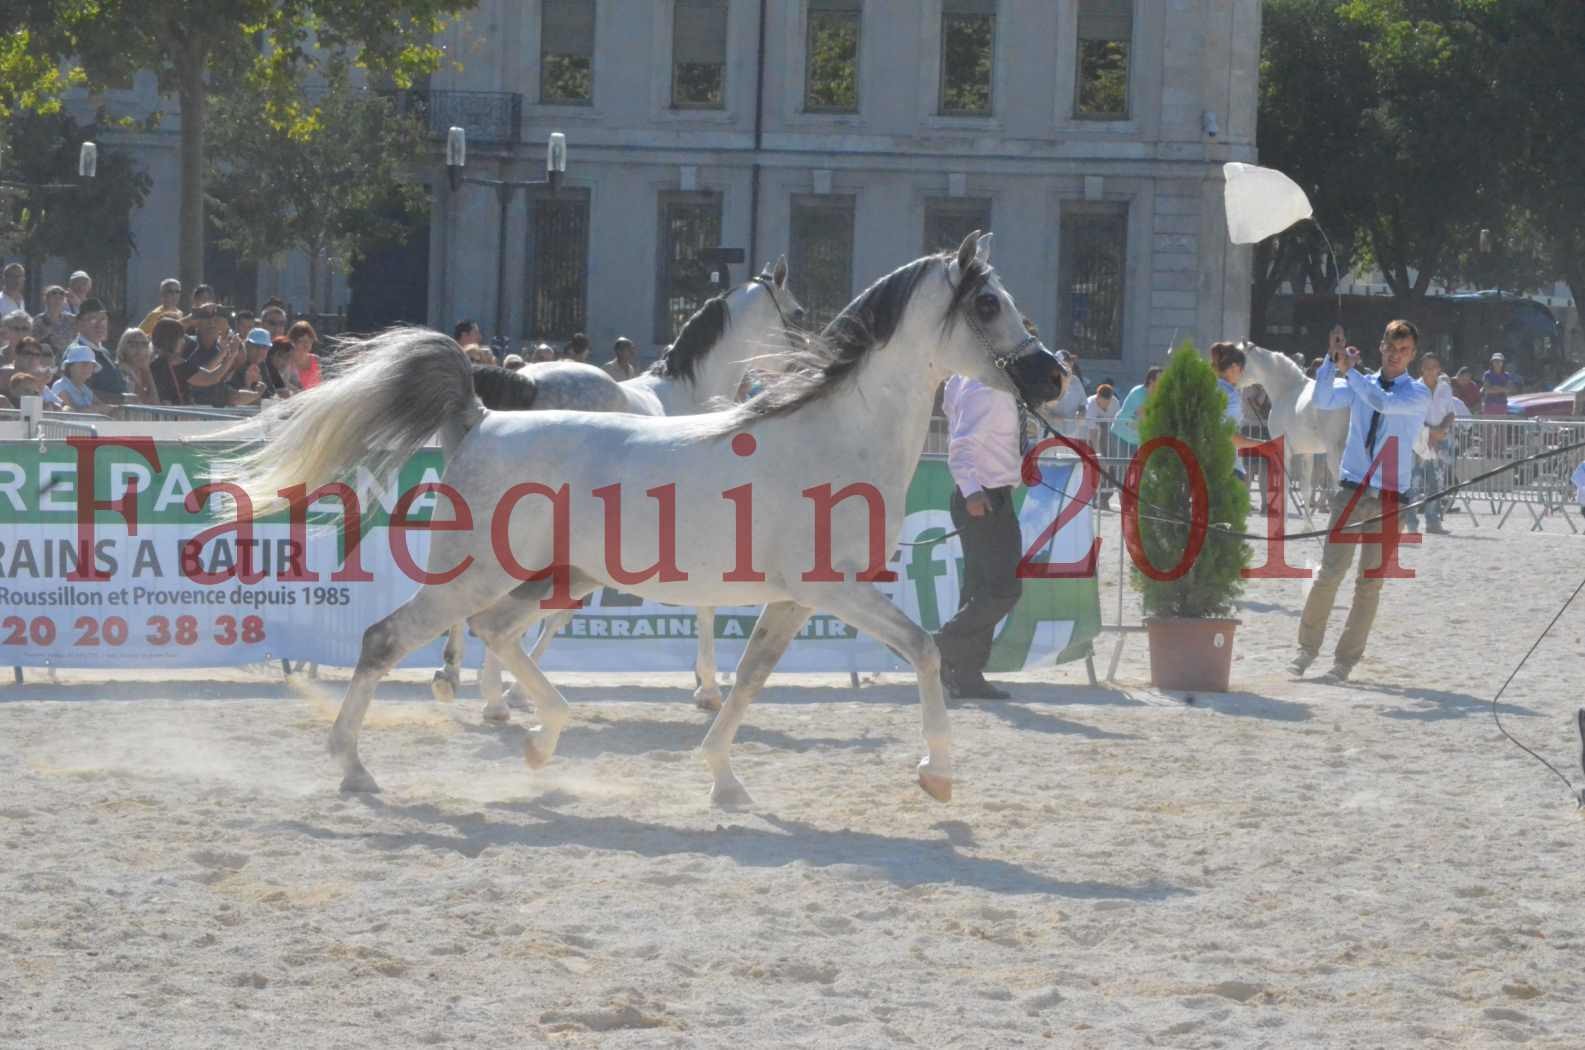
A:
(707, 696)
(385, 644)
(449, 678)
(778, 623)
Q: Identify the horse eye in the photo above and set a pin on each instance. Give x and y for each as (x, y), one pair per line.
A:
(987, 306)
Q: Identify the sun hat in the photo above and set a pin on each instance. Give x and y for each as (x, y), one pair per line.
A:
(259, 337)
(78, 354)
(1498, 357)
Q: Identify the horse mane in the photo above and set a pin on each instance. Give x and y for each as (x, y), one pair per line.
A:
(819, 366)
(698, 337)
(1286, 362)
(502, 389)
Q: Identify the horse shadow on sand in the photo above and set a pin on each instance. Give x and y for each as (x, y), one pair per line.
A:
(593, 735)
(539, 824)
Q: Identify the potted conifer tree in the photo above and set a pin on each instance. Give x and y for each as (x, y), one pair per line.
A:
(1195, 572)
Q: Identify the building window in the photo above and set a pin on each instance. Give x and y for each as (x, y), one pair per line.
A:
(950, 219)
(558, 274)
(821, 255)
(1093, 258)
(831, 74)
(968, 40)
(566, 52)
(1106, 30)
(689, 224)
(698, 48)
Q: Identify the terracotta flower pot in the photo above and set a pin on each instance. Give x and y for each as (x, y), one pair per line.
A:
(1191, 654)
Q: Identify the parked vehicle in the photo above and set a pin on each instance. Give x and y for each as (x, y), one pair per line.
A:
(1566, 399)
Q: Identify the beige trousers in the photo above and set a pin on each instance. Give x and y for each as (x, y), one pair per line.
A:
(1334, 566)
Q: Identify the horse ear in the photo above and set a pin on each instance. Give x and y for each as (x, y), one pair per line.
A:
(778, 272)
(982, 251)
(967, 251)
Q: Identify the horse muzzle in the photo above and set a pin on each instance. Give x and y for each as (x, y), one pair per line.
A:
(1037, 375)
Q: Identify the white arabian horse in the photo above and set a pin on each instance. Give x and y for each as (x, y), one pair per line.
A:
(748, 325)
(793, 499)
(1305, 429)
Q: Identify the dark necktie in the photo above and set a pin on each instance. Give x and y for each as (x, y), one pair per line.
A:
(1375, 419)
(1023, 429)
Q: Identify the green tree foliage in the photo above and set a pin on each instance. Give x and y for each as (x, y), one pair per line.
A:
(1313, 87)
(833, 61)
(1538, 47)
(1103, 78)
(1187, 404)
(328, 184)
(53, 213)
(966, 56)
(190, 44)
(1391, 114)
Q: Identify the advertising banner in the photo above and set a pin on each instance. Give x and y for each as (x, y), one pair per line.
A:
(162, 604)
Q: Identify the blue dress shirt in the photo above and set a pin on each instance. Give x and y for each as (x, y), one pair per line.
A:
(1401, 406)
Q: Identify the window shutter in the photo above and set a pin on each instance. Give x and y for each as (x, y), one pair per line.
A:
(1106, 19)
(567, 27)
(699, 32)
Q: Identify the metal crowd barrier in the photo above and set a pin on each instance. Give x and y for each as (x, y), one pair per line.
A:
(1542, 487)
(169, 413)
(1479, 445)
(56, 426)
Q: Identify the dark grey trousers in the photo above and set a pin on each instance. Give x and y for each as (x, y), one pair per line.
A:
(992, 546)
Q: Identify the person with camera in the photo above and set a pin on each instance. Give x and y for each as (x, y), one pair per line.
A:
(209, 356)
(1385, 414)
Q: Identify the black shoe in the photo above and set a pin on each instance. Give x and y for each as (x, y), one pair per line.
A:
(976, 688)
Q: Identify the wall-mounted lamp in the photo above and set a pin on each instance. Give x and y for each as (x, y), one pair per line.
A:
(556, 160)
(456, 155)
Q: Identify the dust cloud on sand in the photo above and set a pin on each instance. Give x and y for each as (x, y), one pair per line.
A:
(1290, 865)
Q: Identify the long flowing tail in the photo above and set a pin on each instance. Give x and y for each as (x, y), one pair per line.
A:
(398, 388)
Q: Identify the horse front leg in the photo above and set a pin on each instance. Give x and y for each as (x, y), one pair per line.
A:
(778, 623)
(860, 605)
(707, 695)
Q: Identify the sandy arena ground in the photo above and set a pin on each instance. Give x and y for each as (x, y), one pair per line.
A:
(1291, 865)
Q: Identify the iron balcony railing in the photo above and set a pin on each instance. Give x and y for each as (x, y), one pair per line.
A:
(489, 117)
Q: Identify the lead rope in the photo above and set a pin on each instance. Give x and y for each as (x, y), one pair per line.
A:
(1578, 794)
(1222, 529)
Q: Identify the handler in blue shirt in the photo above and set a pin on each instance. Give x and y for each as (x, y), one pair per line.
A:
(1385, 413)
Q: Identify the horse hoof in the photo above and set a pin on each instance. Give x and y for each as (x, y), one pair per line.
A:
(443, 687)
(497, 713)
(936, 786)
(532, 754)
(359, 782)
(707, 700)
(516, 698)
(730, 794)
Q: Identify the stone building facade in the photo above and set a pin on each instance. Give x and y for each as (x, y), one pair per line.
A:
(851, 135)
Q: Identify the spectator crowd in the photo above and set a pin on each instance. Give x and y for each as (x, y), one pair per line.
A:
(204, 354)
